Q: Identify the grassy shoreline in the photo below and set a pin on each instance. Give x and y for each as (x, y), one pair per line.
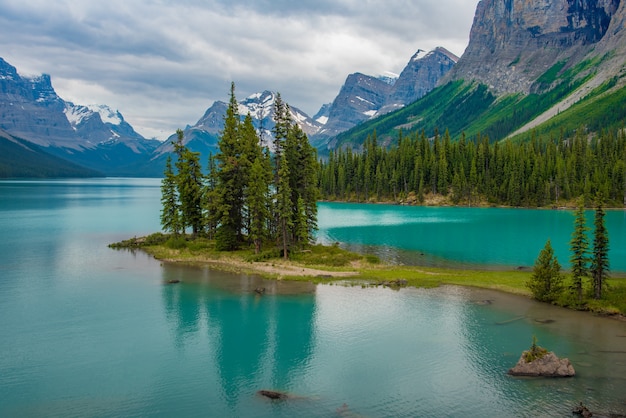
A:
(327, 264)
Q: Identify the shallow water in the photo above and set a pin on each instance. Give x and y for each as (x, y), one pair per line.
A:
(90, 331)
(462, 237)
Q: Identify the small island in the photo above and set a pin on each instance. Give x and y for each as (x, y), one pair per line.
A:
(255, 212)
(538, 362)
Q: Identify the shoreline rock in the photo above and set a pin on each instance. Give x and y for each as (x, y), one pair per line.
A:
(547, 366)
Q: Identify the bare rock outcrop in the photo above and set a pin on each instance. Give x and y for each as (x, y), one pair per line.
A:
(513, 42)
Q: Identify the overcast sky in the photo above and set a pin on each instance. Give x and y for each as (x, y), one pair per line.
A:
(162, 63)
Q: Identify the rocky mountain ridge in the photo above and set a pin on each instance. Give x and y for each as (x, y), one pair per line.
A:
(527, 63)
(364, 97)
(203, 135)
(93, 136)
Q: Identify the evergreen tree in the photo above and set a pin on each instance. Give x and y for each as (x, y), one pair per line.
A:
(296, 181)
(546, 281)
(230, 183)
(301, 158)
(284, 209)
(250, 152)
(190, 186)
(257, 199)
(579, 247)
(170, 212)
(301, 231)
(600, 259)
(210, 203)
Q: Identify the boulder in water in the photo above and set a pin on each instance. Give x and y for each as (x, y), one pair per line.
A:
(548, 365)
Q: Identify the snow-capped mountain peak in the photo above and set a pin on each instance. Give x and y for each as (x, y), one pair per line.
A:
(77, 114)
(259, 105)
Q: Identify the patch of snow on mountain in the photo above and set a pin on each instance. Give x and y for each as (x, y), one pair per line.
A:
(389, 78)
(76, 114)
(322, 119)
(417, 55)
(107, 114)
(299, 117)
(371, 113)
(364, 100)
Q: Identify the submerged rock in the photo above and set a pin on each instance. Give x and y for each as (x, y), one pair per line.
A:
(582, 410)
(273, 394)
(548, 365)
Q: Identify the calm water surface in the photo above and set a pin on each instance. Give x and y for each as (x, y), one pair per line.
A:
(90, 331)
(474, 237)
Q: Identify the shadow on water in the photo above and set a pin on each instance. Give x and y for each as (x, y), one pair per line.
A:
(255, 342)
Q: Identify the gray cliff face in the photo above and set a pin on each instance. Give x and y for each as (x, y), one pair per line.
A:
(359, 99)
(513, 42)
(419, 77)
(30, 108)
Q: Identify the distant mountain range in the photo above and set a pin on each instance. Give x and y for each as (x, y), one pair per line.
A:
(94, 137)
(534, 67)
(98, 138)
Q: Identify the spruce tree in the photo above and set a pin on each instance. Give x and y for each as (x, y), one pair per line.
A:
(170, 210)
(600, 258)
(190, 186)
(546, 281)
(257, 200)
(579, 247)
(210, 198)
(284, 209)
(230, 186)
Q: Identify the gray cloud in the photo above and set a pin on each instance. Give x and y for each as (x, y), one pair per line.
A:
(162, 63)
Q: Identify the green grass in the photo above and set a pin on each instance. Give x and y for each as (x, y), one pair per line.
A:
(329, 256)
(509, 281)
(369, 271)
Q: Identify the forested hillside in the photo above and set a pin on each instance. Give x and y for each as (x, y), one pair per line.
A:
(473, 171)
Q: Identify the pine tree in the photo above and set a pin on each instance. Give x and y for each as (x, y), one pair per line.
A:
(170, 211)
(579, 246)
(546, 281)
(600, 259)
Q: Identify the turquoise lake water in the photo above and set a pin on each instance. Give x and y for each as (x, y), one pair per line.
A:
(90, 331)
(474, 237)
